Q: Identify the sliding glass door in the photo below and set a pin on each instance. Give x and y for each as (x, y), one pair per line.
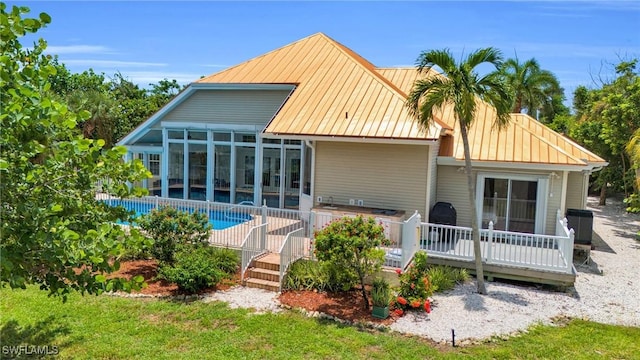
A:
(511, 204)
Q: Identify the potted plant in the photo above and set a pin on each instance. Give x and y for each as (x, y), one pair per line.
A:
(380, 296)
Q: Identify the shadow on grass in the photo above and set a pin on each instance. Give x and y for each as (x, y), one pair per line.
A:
(42, 335)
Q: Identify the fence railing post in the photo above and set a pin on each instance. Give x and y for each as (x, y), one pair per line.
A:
(490, 243)
(156, 202)
(263, 231)
(569, 250)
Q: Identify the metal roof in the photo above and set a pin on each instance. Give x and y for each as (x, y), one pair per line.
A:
(338, 93)
(524, 140)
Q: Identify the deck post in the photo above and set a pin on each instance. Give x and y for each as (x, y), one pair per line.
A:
(490, 242)
(263, 231)
(569, 251)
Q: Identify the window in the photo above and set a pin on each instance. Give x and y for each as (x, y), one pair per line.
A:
(176, 134)
(247, 138)
(197, 135)
(221, 136)
(154, 164)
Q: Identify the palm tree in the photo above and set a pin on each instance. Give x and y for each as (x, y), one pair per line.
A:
(462, 88)
(533, 87)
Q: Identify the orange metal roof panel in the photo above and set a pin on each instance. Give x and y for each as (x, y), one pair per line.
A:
(339, 93)
(332, 81)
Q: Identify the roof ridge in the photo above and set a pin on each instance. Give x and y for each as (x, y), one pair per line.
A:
(201, 80)
(365, 63)
(545, 140)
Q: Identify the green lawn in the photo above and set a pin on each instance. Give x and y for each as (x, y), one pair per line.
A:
(121, 328)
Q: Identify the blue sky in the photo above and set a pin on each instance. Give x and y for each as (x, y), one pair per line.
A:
(148, 41)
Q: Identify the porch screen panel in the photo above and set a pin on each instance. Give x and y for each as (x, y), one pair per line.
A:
(176, 170)
(292, 180)
(155, 183)
(271, 177)
(245, 170)
(522, 206)
(494, 203)
(222, 174)
(197, 171)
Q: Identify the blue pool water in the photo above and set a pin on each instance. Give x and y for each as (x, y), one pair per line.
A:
(219, 220)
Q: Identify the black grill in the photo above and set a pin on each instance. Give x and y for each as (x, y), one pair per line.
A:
(443, 213)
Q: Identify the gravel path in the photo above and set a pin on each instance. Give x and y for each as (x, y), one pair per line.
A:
(606, 291)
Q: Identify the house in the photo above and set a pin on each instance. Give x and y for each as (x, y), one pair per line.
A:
(313, 123)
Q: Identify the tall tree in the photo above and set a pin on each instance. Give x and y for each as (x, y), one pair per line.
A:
(54, 231)
(535, 90)
(606, 120)
(461, 87)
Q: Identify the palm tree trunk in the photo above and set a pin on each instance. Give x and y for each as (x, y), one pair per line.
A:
(474, 213)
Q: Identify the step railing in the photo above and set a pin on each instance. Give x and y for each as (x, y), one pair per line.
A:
(252, 246)
(292, 249)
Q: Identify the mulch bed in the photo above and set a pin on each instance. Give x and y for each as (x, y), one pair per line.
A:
(348, 305)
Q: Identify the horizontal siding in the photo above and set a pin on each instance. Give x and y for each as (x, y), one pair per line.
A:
(575, 190)
(383, 175)
(242, 107)
(434, 173)
(452, 188)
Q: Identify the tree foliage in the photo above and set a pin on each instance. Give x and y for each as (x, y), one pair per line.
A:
(351, 247)
(54, 231)
(462, 87)
(605, 122)
(534, 89)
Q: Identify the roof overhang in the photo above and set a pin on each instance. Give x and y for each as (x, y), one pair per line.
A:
(353, 139)
(590, 167)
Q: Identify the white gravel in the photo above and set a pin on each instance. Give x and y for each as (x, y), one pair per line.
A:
(244, 297)
(606, 291)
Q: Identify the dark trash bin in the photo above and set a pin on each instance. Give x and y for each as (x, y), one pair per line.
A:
(581, 221)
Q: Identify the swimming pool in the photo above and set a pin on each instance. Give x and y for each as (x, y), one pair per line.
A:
(219, 220)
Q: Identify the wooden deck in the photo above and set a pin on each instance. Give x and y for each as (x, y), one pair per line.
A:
(522, 262)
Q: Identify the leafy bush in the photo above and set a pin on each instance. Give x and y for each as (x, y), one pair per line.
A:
(310, 275)
(633, 203)
(445, 278)
(197, 268)
(171, 229)
(415, 287)
(351, 248)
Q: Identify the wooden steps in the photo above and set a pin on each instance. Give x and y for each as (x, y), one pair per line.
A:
(264, 273)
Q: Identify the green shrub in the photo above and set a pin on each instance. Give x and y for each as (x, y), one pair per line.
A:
(197, 268)
(351, 248)
(445, 278)
(415, 286)
(633, 203)
(171, 229)
(309, 275)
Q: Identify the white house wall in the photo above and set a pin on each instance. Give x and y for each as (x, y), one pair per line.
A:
(452, 188)
(382, 175)
(575, 191)
(238, 107)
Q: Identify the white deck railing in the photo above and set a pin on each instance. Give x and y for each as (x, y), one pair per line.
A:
(270, 226)
(533, 251)
(252, 246)
(292, 249)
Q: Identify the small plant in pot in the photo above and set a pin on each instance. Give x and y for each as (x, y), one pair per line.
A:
(380, 297)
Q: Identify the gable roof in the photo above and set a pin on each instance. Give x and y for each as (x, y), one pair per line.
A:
(338, 93)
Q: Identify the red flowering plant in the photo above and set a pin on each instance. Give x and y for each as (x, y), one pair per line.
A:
(415, 287)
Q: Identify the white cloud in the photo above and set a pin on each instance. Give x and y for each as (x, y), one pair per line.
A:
(78, 49)
(110, 63)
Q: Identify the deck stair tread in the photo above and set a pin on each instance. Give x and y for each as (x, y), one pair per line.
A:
(262, 284)
(264, 270)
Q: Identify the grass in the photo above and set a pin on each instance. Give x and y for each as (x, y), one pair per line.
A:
(124, 328)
